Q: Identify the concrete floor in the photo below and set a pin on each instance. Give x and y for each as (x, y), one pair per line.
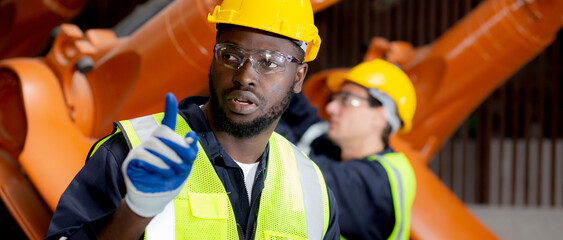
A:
(521, 223)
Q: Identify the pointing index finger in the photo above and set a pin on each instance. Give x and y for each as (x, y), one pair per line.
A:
(170, 111)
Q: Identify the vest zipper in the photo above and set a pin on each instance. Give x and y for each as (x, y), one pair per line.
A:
(240, 232)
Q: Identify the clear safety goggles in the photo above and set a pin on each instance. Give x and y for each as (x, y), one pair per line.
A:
(348, 99)
(263, 61)
(378, 99)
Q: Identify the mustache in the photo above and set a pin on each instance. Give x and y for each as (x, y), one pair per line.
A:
(241, 88)
(227, 91)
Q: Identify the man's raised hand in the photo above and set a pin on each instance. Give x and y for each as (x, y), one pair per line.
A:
(157, 169)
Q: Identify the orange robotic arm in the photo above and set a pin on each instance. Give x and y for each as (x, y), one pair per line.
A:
(460, 69)
(25, 25)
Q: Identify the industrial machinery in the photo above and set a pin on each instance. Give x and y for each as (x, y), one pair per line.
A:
(18, 17)
(52, 109)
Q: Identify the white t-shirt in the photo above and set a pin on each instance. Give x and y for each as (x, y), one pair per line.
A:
(249, 172)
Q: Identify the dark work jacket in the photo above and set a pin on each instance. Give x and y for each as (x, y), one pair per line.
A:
(361, 187)
(97, 190)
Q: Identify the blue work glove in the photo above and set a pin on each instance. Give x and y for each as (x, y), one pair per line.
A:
(157, 169)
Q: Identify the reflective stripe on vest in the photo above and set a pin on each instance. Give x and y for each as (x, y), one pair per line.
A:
(294, 190)
(403, 188)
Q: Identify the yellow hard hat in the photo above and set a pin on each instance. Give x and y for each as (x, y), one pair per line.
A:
(290, 18)
(380, 76)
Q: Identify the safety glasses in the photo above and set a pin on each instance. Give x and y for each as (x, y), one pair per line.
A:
(263, 61)
(348, 99)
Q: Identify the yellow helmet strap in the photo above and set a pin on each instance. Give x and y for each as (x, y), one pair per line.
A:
(389, 107)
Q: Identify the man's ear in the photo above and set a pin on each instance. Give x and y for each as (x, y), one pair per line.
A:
(300, 77)
(379, 118)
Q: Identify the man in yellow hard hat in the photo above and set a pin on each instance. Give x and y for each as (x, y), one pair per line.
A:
(230, 177)
(374, 185)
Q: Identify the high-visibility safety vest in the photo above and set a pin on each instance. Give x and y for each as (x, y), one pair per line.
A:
(293, 204)
(403, 188)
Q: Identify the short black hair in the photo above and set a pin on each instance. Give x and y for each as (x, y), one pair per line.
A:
(386, 134)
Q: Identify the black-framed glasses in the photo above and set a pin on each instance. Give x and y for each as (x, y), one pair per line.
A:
(263, 61)
(348, 99)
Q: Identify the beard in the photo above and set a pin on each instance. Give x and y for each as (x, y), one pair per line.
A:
(252, 128)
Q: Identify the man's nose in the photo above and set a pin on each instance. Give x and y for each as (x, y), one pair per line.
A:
(332, 107)
(246, 75)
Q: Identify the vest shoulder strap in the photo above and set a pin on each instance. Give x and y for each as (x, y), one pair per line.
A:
(139, 129)
(403, 187)
(102, 141)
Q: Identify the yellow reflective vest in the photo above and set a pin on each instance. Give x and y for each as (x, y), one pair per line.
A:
(403, 188)
(293, 204)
